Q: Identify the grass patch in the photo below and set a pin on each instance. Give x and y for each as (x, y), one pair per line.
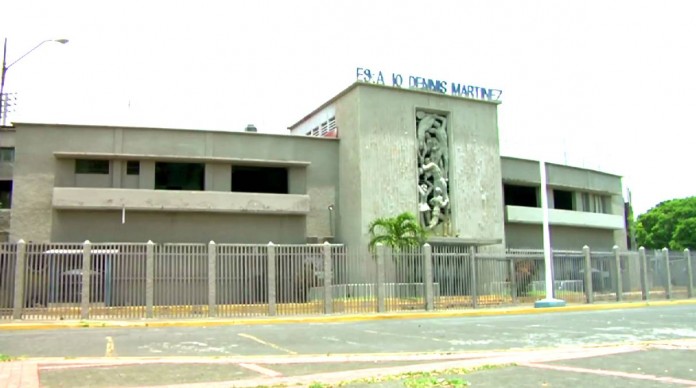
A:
(5, 358)
(441, 378)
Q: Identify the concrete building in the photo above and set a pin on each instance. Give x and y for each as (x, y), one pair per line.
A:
(371, 151)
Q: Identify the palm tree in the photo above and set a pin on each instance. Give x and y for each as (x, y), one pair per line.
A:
(402, 231)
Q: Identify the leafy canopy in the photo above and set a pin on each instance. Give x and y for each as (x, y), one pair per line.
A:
(398, 232)
(670, 224)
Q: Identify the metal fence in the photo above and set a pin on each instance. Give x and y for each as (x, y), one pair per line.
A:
(148, 280)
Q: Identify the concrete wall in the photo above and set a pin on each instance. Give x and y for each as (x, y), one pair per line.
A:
(562, 237)
(106, 226)
(526, 172)
(388, 161)
(47, 158)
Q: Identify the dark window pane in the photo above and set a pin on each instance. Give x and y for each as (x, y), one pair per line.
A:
(87, 166)
(5, 194)
(179, 176)
(251, 179)
(563, 199)
(520, 195)
(133, 167)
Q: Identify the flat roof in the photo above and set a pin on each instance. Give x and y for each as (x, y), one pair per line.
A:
(396, 89)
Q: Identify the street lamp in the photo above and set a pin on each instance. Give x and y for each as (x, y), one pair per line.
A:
(3, 105)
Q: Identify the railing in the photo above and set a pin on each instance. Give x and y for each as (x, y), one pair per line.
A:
(148, 280)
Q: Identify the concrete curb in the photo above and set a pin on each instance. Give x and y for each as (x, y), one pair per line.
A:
(21, 325)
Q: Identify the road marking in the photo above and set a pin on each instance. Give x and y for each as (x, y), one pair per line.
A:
(110, 347)
(602, 372)
(274, 346)
(262, 370)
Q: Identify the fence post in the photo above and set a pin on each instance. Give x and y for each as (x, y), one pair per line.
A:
(619, 276)
(474, 285)
(381, 253)
(149, 279)
(689, 274)
(271, 279)
(644, 287)
(328, 279)
(668, 273)
(589, 292)
(513, 280)
(20, 263)
(428, 277)
(86, 278)
(212, 279)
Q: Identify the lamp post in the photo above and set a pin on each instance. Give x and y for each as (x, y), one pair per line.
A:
(5, 67)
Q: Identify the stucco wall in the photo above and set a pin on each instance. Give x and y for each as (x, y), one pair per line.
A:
(106, 226)
(40, 170)
(388, 161)
(565, 238)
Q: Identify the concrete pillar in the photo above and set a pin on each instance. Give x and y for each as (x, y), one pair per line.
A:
(689, 274)
(328, 279)
(513, 280)
(668, 274)
(474, 285)
(589, 292)
(212, 279)
(149, 279)
(86, 279)
(271, 279)
(428, 277)
(618, 277)
(381, 253)
(20, 264)
(644, 286)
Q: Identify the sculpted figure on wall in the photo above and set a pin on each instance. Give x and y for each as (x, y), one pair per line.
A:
(433, 171)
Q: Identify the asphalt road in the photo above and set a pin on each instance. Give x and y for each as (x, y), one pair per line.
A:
(440, 335)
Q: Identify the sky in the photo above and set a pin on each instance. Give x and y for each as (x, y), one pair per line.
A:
(606, 85)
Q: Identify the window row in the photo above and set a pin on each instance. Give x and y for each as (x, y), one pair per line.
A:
(191, 176)
(529, 196)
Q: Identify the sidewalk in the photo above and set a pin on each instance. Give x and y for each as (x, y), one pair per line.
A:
(332, 318)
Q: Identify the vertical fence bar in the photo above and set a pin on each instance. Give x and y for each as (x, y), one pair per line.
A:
(428, 277)
(381, 253)
(474, 285)
(149, 279)
(513, 279)
(328, 279)
(86, 279)
(589, 292)
(271, 279)
(689, 274)
(20, 262)
(668, 274)
(644, 286)
(212, 279)
(618, 277)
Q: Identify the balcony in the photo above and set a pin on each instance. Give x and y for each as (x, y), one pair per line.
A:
(534, 215)
(73, 198)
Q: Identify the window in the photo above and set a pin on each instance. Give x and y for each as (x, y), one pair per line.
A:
(520, 195)
(179, 176)
(251, 179)
(7, 154)
(88, 166)
(5, 194)
(563, 199)
(596, 203)
(133, 167)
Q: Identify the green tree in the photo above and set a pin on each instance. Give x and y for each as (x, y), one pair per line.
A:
(400, 232)
(671, 224)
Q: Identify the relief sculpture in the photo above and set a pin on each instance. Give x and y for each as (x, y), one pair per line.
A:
(433, 172)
